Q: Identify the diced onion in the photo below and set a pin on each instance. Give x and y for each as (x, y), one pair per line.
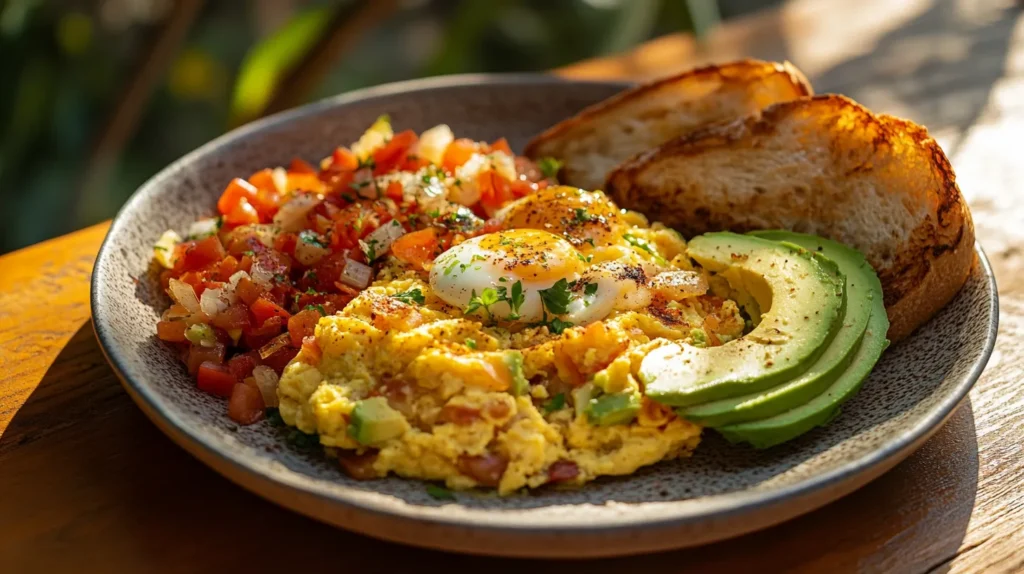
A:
(362, 181)
(373, 138)
(292, 215)
(261, 275)
(356, 274)
(280, 179)
(184, 295)
(234, 279)
(309, 252)
(276, 344)
(433, 143)
(215, 300)
(163, 250)
(266, 380)
(381, 238)
(204, 228)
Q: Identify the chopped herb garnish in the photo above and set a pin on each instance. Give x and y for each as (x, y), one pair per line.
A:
(549, 166)
(556, 403)
(348, 197)
(471, 343)
(411, 296)
(280, 278)
(368, 162)
(590, 289)
(434, 213)
(160, 248)
(557, 325)
(310, 237)
(590, 240)
(584, 258)
(302, 440)
(643, 245)
(451, 266)
(369, 249)
(582, 215)
(310, 275)
(317, 307)
(487, 297)
(439, 492)
(516, 300)
(249, 253)
(556, 298)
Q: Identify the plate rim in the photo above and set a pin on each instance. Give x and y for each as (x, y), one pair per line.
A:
(719, 507)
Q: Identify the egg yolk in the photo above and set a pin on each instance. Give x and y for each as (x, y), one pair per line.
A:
(532, 254)
(582, 217)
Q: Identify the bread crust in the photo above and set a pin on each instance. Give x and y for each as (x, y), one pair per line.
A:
(663, 109)
(922, 261)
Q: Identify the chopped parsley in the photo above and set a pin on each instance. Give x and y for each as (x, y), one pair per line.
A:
(369, 249)
(249, 253)
(584, 258)
(348, 197)
(439, 492)
(556, 403)
(590, 289)
(549, 166)
(435, 213)
(368, 162)
(487, 297)
(582, 215)
(316, 307)
(643, 245)
(160, 248)
(310, 237)
(280, 278)
(516, 300)
(411, 296)
(556, 325)
(556, 298)
(471, 343)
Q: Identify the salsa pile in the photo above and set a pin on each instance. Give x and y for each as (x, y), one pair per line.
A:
(294, 244)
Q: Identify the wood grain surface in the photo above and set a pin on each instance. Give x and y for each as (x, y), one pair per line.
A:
(87, 484)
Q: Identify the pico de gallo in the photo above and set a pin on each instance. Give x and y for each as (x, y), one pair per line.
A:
(293, 244)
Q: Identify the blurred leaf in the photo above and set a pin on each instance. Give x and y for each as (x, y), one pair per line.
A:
(704, 15)
(459, 50)
(270, 59)
(635, 23)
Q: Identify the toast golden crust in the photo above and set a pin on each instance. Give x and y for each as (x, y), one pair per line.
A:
(594, 141)
(823, 165)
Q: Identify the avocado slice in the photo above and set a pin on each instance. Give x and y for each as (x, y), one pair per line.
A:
(614, 409)
(771, 431)
(860, 278)
(374, 421)
(802, 303)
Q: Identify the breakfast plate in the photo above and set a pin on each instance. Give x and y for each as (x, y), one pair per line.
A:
(721, 491)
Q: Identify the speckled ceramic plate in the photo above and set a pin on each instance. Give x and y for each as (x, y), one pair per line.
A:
(722, 491)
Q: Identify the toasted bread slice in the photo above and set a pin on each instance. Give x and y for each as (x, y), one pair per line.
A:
(824, 165)
(602, 136)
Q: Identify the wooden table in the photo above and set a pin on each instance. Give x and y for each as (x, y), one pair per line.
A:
(88, 484)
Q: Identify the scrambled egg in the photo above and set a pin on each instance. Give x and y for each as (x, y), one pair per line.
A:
(474, 401)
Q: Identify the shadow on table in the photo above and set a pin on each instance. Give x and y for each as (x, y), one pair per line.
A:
(87, 477)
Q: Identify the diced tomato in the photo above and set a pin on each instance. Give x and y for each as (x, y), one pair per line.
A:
(279, 360)
(243, 213)
(227, 267)
(256, 336)
(241, 366)
(197, 254)
(171, 331)
(247, 290)
(393, 153)
(266, 203)
(285, 243)
(413, 163)
(234, 317)
(459, 415)
(245, 263)
(325, 273)
(494, 189)
(245, 405)
(274, 262)
(304, 182)
(299, 165)
(416, 248)
(457, 153)
(263, 309)
(486, 469)
(216, 379)
(343, 159)
(394, 191)
(194, 279)
(522, 188)
(236, 191)
(502, 145)
(302, 325)
(198, 354)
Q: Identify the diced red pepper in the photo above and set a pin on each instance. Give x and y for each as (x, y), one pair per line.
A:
(171, 331)
(393, 153)
(299, 165)
(285, 243)
(247, 290)
(243, 213)
(256, 336)
(227, 267)
(416, 248)
(216, 379)
(457, 153)
(312, 350)
(494, 189)
(343, 159)
(395, 191)
(263, 309)
(302, 325)
(279, 360)
(502, 145)
(236, 191)
(245, 405)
